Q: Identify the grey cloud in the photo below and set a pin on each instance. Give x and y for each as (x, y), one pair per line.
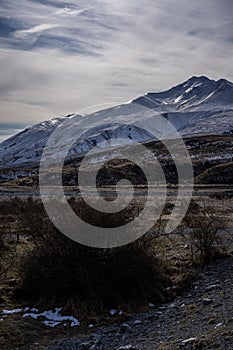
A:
(87, 24)
(106, 51)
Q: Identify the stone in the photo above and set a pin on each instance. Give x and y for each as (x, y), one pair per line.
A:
(212, 287)
(152, 317)
(96, 338)
(85, 346)
(207, 301)
(188, 341)
(137, 322)
(125, 328)
(211, 320)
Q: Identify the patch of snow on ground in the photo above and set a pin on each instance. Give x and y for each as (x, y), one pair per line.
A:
(34, 310)
(151, 305)
(219, 157)
(11, 312)
(50, 323)
(53, 318)
(113, 312)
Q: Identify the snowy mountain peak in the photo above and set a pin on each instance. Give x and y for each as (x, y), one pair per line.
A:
(200, 79)
(204, 82)
(195, 93)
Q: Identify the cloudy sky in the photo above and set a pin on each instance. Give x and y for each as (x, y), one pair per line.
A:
(59, 56)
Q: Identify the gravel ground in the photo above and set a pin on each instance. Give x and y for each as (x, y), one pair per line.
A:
(201, 319)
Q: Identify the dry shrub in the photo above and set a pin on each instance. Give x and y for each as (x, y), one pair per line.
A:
(206, 233)
(206, 238)
(57, 268)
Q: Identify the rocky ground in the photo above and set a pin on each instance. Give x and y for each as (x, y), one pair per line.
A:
(201, 319)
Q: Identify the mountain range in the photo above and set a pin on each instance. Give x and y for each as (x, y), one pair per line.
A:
(198, 107)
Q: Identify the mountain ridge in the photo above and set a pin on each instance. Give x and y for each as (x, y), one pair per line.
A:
(198, 106)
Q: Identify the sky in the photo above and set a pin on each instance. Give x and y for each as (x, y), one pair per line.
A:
(58, 57)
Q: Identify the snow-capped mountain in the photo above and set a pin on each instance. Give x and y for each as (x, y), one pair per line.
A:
(199, 106)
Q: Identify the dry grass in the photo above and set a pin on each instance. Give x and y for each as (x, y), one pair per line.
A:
(53, 271)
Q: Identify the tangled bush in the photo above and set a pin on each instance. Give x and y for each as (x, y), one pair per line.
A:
(206, 232)
(57, 268)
